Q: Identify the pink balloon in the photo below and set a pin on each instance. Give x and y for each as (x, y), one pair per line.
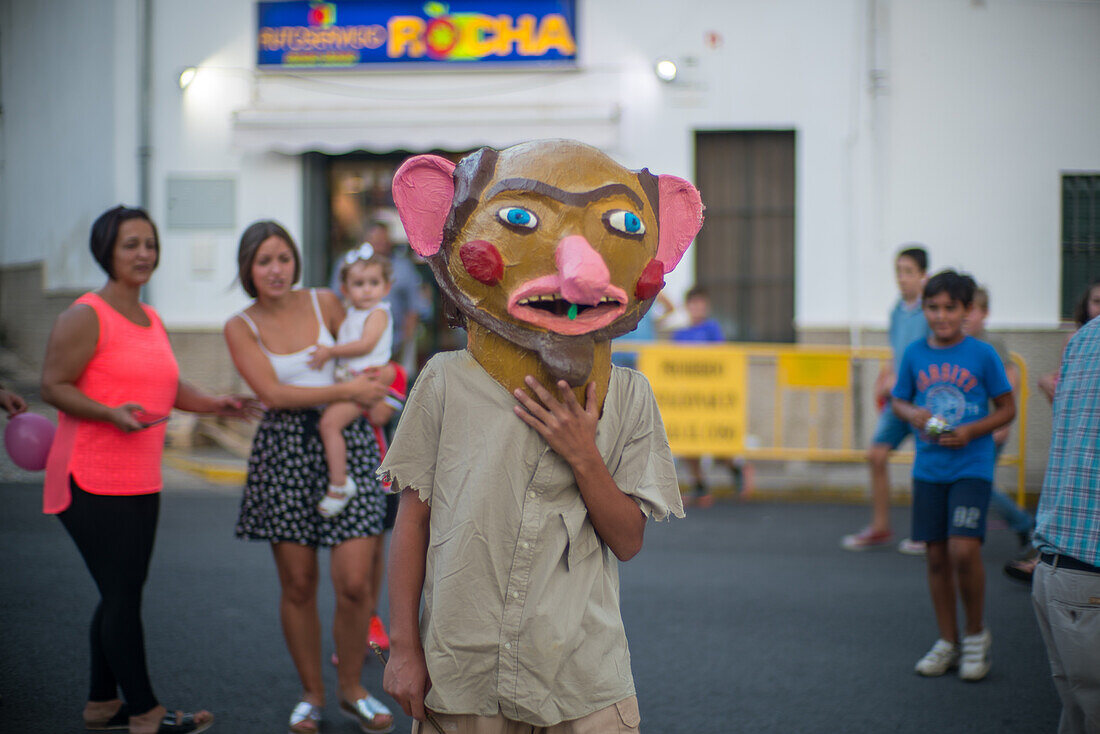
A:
(27, 439)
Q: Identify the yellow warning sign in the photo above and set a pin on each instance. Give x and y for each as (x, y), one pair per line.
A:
(819, 370)
(701, 394)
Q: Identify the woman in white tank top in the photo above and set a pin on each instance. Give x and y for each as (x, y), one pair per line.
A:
(271, 343)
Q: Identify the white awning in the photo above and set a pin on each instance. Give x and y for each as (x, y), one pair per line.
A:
(340, 130)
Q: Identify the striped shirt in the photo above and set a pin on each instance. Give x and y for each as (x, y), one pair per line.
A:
(1068, 520)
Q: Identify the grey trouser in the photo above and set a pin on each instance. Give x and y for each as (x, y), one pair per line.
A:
(1067, 605)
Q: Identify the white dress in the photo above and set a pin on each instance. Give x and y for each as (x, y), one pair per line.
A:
(352, 330)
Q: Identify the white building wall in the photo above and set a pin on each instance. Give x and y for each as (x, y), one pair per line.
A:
(196, 283)
(68, 145)
(984, 104)
(990, 103)
(786, 65)
(791, 65)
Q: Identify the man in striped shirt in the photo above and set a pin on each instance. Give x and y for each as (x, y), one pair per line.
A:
(1066, 588)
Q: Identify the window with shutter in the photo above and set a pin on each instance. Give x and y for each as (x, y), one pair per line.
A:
(1080, 236)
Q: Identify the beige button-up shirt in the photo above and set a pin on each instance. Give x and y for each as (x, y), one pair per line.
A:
(521, 598)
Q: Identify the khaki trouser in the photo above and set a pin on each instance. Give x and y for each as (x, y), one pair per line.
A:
(1067, 605)
(618, 718)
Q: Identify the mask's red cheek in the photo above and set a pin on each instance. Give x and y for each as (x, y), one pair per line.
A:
(651, 281)
(482, 261)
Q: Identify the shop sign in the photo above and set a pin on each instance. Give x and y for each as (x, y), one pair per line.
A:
(347, 34)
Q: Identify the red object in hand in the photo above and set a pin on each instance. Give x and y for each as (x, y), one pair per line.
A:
(651, 281)
(880, 402)
(147, 419)
(482, 261)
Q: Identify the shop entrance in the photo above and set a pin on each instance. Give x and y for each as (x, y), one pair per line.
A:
(346, 198)
(744, 255)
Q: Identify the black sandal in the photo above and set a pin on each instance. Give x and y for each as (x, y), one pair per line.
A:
(119, 722)
(178, 722)
(1020, 570)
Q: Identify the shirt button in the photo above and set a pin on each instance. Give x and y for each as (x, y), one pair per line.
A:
(525, 545)
(530, 495)
(515, 594)
(507, 645)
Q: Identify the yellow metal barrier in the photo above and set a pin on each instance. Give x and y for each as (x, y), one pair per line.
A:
(712, 399)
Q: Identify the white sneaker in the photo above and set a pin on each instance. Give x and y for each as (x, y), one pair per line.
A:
(975, 656)
(333, 503)
(911, 547)
(941, 658)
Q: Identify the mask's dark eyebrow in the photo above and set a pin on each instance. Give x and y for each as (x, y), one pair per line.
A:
(565, 197)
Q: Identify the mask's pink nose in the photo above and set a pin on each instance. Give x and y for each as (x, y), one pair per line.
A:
(584, 275)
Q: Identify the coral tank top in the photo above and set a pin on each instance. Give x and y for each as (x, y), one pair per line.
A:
(131, 363)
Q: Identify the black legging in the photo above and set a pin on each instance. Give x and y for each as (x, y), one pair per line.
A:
(115, 536)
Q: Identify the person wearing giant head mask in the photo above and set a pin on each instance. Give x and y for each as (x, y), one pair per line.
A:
(528, 464)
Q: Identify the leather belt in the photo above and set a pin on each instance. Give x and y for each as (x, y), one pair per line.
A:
(1060, 561)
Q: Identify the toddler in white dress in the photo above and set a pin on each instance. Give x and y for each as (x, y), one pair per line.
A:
(365, 340)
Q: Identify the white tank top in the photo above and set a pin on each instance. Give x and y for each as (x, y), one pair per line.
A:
(352, 329)
(294, 369)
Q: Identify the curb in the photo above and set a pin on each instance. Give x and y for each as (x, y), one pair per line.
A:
(229, 473)
(854, 495)
(215, 472)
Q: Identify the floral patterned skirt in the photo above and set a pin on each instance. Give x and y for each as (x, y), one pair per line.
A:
(288, 476)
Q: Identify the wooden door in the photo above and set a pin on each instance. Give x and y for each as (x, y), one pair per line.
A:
(745, 251)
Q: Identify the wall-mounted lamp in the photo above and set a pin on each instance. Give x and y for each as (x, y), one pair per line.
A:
(187, 76)
(666, 70)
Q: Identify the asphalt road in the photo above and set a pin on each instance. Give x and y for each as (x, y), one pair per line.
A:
(742, 618)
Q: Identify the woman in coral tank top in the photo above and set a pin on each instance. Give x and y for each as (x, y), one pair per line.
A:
(110, 372)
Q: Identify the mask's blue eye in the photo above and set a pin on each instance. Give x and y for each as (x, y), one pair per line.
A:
(517, 216)
(625, 222)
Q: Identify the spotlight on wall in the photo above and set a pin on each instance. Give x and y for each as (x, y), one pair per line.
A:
(187, 76)
(666, 70)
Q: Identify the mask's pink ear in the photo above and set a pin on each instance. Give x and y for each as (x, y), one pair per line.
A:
(423, 188)
(681, 217)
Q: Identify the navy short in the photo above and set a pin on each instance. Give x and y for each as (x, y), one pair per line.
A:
(956, 508)
(890, 429)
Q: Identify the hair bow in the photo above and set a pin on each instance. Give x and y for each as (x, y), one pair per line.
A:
(364, 251)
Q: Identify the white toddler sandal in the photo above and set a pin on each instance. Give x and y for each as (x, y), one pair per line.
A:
(337, 498)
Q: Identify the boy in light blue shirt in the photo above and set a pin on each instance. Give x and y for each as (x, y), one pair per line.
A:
(907, 325)
(943, 389)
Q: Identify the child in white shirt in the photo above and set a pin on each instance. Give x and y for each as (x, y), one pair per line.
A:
(365, 340)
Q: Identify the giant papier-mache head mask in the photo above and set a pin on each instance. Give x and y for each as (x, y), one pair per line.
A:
(550, 244)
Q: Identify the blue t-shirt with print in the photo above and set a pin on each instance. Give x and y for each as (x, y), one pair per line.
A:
(956, 384)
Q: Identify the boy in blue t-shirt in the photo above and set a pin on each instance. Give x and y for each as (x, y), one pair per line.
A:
(944, 386)
(703, 328)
